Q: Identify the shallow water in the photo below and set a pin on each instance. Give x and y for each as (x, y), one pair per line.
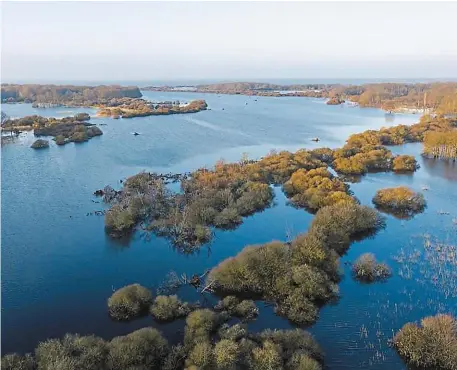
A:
(59, 267)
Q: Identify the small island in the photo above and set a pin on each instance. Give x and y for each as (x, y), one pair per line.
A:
(40, 144)
(335, 101)
(47, 96)
(129, 108)
(64, 130)
(438, 97)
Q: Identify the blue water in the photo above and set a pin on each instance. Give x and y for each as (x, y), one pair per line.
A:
(59, 267)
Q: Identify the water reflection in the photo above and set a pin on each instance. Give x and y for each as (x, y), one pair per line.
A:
(442, 168)
(390, 118)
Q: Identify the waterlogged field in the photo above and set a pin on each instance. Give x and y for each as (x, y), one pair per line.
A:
(59, 267)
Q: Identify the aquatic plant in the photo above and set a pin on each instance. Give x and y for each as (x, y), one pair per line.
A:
(433, 345)
(399, 201)
(367, 269)
(129, 301)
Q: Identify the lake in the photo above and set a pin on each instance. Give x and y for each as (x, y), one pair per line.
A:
(59, 267)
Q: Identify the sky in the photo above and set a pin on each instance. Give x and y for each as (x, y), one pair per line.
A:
(119, 41)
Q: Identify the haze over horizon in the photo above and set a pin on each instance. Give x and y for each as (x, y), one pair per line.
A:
(139, 41)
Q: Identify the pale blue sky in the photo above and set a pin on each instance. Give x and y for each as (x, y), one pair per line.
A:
(164, 41)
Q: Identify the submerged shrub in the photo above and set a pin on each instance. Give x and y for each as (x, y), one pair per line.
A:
(17, 362)
(316, 188)
(267, 357)
(298, 309)
(256, 269)
(175, 358)
(367, 269)
(433, 345)
(337, 225)
(404, 163)
(199, 325)
(225, 354)
(79, 136)
(294, 341)
(400, 201)
(118, 220)
(72, 352)
(228, 218)
(129, 301)
(40, 143)
(234, 332)
(141, 350)
(245, 309)
(201, 356)
(300, 361)
(60, 140)
(168, 308)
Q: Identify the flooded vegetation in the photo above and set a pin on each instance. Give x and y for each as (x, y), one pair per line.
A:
(367, 269)
(65, 130)
(224, 217)
(130, 108)
(432, 345)
(400, 201)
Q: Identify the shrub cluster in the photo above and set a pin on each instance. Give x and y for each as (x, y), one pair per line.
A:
(167, 308)
(245, 309)
(237, 349)
(70, 95)
(400, 201)
(142, 349)
(129, 302)
(64, 130)
(360, 160)
(316, 188)
(404, 163)
(367, 269)
(129, 108)
(441, 145)
(40, 143)
(219, 198)
(433, 345)
(301, 276)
